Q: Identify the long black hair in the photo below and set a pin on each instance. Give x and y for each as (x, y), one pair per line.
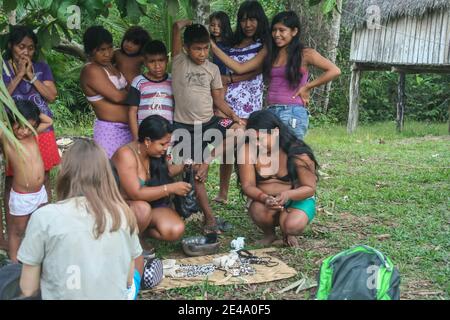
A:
(253, 9)
(294, 49)
(155, 127)
(226, 33)
(138, 35)
(94, 37)
(28, 109)
(289, 143)
(16, 35)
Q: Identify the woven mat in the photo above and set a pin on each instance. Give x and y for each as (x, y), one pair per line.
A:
(263, 273)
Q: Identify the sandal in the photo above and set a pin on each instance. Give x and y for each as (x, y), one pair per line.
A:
(223, 225)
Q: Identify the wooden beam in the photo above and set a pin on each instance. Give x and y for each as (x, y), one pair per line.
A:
(353, 111)
(367, 66)
(421, 69)
(401, 101)
(370, 67)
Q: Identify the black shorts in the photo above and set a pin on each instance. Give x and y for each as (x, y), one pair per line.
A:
(197, 136)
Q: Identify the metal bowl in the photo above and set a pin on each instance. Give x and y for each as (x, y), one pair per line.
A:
(199, 246)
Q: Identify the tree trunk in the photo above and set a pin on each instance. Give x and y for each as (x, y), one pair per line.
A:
(72, 49)
(321, 34)
(332, 47)
(201, 10)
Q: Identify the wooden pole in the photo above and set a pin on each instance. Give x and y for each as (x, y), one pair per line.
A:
(353, 111)
(401, 101)
(449, 118)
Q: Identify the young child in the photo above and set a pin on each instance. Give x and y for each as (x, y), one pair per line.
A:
(28, 192)
(197, 86)
(222, 35)
(128, 59)
(151, 92)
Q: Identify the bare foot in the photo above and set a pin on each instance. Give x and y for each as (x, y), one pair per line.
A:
(267, 240)
(221, 200)
(210, 226)
(291, 241)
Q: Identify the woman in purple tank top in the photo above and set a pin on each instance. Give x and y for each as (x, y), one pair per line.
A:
(289, 89)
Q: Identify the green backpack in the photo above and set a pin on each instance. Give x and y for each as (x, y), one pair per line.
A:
(359, 273)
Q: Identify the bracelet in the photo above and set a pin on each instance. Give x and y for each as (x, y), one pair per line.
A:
(165, 190)
(231, 78)
(33, 80)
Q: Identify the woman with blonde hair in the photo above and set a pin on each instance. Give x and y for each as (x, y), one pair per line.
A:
(84, 246)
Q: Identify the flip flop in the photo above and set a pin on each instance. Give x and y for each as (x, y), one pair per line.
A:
(223, 225)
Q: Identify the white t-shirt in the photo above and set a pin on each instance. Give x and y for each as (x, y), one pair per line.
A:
(75, 265)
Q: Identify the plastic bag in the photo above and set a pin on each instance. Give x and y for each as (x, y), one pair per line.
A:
(186, 206)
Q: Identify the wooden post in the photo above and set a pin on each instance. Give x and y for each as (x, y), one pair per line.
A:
(353, 111)
(401, 101)
(449, 118)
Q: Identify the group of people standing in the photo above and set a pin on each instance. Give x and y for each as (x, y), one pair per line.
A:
(137, 114)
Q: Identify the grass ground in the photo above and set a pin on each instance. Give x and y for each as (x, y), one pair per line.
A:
(380, 188)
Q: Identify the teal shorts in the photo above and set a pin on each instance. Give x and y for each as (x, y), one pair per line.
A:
(308, 206)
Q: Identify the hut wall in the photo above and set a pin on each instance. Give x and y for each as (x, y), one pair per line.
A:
(409, 40)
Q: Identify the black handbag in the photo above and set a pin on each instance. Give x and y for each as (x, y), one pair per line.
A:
(186, 206)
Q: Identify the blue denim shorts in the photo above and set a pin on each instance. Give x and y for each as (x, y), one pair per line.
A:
(295, 116)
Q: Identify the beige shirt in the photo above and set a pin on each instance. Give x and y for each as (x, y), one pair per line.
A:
(74, 264)
(192, 85)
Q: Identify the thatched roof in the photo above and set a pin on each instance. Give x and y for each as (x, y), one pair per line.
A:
(354, 13)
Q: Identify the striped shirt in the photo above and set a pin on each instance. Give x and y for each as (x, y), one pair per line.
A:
(152, 97)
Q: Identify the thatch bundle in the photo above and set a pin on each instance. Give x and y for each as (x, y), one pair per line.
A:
(355, 11)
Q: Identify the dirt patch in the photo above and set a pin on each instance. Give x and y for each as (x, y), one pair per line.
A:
(420, 290)
(428, 138)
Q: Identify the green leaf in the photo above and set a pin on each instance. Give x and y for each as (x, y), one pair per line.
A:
(328, 6)
(45, 4)
(44, 38)
(62, 14)
(92, 7)
(55, 38)
(133, 12)
(9, 5)
(172, 7)
(122, 7)
(314, 2)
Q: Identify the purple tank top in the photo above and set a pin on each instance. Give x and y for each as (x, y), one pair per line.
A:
(279, 90)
